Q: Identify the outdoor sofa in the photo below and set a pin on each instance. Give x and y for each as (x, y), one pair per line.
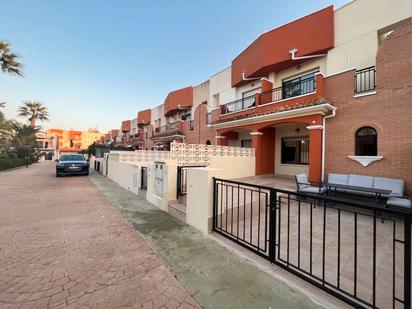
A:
(396, 186)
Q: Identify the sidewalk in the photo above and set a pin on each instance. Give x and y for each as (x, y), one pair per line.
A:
(63, 245)
(214, 276)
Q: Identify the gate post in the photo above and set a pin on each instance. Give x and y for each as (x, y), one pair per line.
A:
(407, 262)
(272, 225)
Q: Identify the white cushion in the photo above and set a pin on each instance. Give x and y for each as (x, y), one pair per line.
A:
(313, 190)
(399, 202)
(302, 180)
(360, 181)
(339, 179)
(395, 185)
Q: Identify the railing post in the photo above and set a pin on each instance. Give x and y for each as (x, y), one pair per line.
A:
(407, 262)
(214, 218)
(272, 225)
(178, 183)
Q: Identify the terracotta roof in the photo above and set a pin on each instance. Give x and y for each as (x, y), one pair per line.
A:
(269, 109)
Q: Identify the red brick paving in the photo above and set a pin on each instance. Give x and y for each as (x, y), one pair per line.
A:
(63, 245)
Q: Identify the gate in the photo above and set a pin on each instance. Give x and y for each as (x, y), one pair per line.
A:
(143, 178)
(182, 179)
(357, 252)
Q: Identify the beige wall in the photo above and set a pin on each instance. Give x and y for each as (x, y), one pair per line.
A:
(243, 134)
(234, 167)
(286, 131)
(169, 185)
(158, 113)
(308, 66)
(356, 31)
(124, 174)
(201, 93)
(200, 187)
(221, 90)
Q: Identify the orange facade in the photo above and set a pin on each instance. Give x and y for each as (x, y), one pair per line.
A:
(312, 34)
(126, 125)
(144, 117)
(178, 99)
(114, 133)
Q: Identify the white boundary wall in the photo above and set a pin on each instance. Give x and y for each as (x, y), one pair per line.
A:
(125, 168)
(199, 206)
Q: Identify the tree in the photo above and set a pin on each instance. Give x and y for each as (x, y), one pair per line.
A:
(34, 110)
(6, 133)
(9, 61)
(2, 105)
(24, 140)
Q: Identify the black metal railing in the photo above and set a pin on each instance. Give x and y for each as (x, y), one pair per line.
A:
(365, 80)
(289, 90)
(238, 105)
(182, 179)
(168, 127)
(358, 252)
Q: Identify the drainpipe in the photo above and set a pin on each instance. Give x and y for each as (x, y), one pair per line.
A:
(293, 52)
(323, 140)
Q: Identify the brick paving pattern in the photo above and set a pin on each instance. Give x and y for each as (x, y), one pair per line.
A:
(63, 245)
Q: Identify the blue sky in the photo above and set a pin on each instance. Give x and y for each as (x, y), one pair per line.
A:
(96, 63)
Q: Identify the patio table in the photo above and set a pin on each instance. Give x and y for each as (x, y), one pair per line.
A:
(377, 192)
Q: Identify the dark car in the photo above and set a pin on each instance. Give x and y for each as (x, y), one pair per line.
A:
(72, 164)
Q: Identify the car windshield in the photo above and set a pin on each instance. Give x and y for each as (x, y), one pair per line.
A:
(72, 158)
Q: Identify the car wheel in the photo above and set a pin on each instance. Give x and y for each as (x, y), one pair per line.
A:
(86, 174)
(58, 175)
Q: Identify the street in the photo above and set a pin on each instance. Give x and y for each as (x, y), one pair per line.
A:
(63, 245)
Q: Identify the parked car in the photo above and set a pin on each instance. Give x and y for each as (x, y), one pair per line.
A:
(72, 164)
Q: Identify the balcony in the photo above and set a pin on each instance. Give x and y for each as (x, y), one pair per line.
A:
(169, 129)
(365, 81)
(281, 94)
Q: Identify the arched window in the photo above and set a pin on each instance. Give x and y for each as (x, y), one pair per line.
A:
(208, 142)
(366, 142)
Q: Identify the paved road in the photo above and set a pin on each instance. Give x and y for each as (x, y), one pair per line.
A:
(62, 244)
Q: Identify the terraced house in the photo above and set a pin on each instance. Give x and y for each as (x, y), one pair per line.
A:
(309, 96)
(324, 99)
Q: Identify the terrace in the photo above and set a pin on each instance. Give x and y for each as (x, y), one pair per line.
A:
(287, 92)
(357, 252)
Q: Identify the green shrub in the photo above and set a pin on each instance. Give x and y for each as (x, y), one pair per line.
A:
(11, 163)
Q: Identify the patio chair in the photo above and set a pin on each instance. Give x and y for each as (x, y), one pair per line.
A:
(304, 186)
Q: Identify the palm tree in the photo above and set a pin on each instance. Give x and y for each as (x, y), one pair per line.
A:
(2, 105)
(24, 140)
(9, 61)
(6, 133)
(33, 110)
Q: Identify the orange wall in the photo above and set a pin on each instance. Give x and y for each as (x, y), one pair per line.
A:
(144, 117)
(126, 124)
(311, 34)
(182, 97)
(114, 133)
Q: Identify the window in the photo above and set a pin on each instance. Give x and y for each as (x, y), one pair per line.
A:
(191, 125)
(186, 117)
(246, 143)
(208, 142)
(366, 142)
(250, 92)
(299, 85)
(295, 150)
(208, 118)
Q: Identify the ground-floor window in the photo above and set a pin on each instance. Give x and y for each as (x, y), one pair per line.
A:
(295, 150)
(366, 142)
(246, 143)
